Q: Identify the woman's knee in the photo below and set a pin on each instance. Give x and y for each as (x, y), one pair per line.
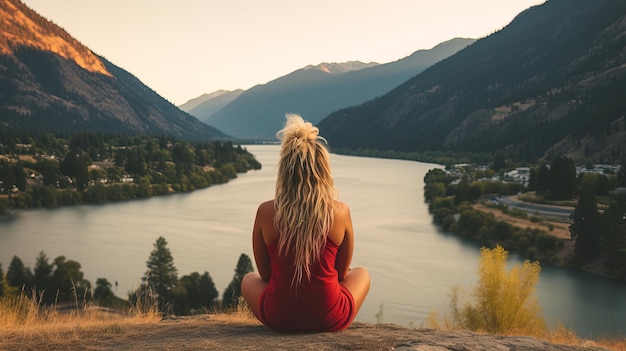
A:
(250, 282)
(362, 275)
(358, 282)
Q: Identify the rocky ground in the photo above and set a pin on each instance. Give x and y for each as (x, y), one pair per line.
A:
(219, 332)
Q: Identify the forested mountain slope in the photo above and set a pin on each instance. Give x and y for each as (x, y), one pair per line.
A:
(316, 91)
(550, 83)
(49, 82)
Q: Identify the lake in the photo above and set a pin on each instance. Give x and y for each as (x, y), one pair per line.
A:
(413, 264)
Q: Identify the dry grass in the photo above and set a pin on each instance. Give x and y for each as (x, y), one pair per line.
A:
(240, 314)
(68, 329)
(564, 336)
(27, 323)
(615, 345)
(23, 317)
(561, 335)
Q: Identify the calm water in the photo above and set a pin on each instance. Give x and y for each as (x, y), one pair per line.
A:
(413, 265)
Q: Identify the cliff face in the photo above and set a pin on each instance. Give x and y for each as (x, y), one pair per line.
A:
(222, 332)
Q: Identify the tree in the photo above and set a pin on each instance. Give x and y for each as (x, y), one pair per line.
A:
(562, 178)
(195, 292)
(49, 170)
(103, 293)
(17, 274)
(434, 190)
(68, 280)
(7, 178)
(6, 174)
(585, 227)
(436, 175)
(42, 277)
(599, 184)
(82, 173)
(233, 291)
(499, 162)
(20, 175)
(504, 301)
(539, 178)
(621, 174)
(614, 240)
(208, 292)
(144, 187)
(162, 275)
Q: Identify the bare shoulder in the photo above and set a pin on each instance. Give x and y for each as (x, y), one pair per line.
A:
(341, 209)
(267, 206)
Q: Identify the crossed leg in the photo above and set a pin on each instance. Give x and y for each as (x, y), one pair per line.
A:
(357, 282)
(252, 287)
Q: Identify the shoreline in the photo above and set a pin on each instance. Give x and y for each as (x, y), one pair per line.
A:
(565, 254)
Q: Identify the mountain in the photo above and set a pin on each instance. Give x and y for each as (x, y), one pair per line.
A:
(316, 91)
(552, 82)
(49, 82)
(208, 104)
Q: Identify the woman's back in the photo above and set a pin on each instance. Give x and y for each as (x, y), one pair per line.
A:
(325, 303)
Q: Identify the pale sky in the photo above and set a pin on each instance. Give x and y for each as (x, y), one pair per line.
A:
(185, 48)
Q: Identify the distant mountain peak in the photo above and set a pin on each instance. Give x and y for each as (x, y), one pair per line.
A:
(338, 68)
(207, 104)
(20, 28)
(195, 102)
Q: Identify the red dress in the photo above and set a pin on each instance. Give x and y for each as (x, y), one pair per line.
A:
(316, 305)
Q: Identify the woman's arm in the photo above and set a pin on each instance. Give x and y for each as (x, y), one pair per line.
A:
(261, 257)
(344, 255)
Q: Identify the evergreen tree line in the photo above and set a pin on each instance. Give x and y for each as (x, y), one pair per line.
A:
(55, 170)
(599, 231)
(189, 294)
(62, 281)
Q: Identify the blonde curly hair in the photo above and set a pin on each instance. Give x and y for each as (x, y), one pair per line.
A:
(305, 194)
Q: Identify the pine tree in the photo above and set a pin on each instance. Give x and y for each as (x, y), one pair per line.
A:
(562, 178)
(614, 239)
(585, 227)
(103, 293)
(162, 275)
(208, 292)
(539, 178)
(17, 275)
(233, 291)
(42, 277)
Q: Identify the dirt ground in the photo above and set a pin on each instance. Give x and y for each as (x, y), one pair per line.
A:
(219, 332)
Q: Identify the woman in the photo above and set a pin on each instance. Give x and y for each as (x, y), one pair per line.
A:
(302, 242)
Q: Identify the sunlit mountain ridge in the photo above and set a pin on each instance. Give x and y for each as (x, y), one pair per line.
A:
(49, 82)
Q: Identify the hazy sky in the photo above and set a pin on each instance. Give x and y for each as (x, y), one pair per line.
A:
(185, 48)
